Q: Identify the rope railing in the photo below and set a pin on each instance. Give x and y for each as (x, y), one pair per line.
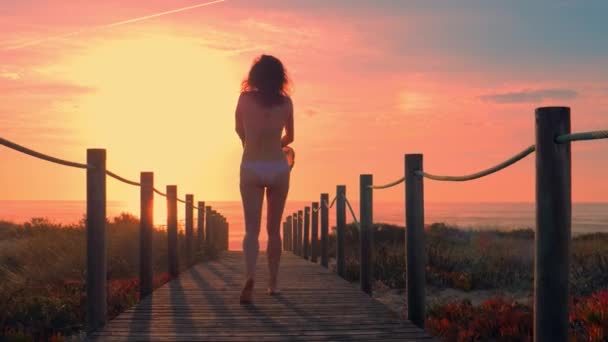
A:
(59, 161)
(521, 155)
(124, 180)
(329, 206)
(352, 212)
(594, 135)
(553, 189)
(42, 156)
(389, 185)
(159, 192)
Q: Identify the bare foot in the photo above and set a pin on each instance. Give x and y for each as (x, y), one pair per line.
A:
(247, 292)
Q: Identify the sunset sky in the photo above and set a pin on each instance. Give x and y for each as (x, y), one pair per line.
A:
(373, 80)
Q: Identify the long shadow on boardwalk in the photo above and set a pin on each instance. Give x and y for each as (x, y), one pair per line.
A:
(182, 315)
(202, 304)
(141, 327)
(231, 317)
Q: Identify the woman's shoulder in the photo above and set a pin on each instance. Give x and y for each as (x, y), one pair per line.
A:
(253, 95)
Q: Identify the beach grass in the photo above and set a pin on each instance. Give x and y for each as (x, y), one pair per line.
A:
(489, 261)
(43, 270)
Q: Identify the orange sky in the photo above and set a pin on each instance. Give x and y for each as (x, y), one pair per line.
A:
(372, 81)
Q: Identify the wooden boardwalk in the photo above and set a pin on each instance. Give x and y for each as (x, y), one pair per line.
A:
(315, 305)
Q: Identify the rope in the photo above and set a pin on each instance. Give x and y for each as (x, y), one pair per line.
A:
(521, 155)
(124, 180)
(181, 200)
(389, 185)
(332, 203)
(351, 211)
(582, 136)
(42, 156)
(160, 193)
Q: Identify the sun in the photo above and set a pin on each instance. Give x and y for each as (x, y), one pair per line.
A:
(159, 103)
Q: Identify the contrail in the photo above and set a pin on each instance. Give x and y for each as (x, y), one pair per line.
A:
(106, 26)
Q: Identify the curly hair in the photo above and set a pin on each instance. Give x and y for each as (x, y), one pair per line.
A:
(267, 80)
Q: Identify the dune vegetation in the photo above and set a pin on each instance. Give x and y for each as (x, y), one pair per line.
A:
(486, 260)
(43, 271)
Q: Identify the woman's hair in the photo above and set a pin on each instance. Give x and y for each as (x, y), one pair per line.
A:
(268, 80)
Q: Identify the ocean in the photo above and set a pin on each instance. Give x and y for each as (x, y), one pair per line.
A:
(586, 217)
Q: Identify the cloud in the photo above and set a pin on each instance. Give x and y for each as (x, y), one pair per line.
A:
(42, 89)
(526, 96)
(9, 75)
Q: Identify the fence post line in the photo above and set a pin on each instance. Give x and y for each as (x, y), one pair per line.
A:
(294, 237)
(284, 234)
(340, 228)
(294, 228)
(553, 225)
(146, 228)
(227, 242)
(288, 233)
(290, 241)
(212, 232)
(314, 233)
(218, 229)
(189, 226)
(96, 239)
(366, 234)
(415, 248)
(225, 233)
(200, 225)
(300, 235)
(172, 230)
(324, 229)
(208, 225)
(306, 253)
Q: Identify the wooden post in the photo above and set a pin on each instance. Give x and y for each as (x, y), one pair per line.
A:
(289, 233)
(189, 226)
(284, 235)
(306, 253)
(416, 253)
(553, 225)
(314, 234)
(200, 226)
(96, 239)
(225, 234)
(294, 228)
(324, 229)
(300, 242)
(212, 231)
(172, 230)
(146, 230)
(208, 226)
(366, 233)
(227, 241)
(340, 228)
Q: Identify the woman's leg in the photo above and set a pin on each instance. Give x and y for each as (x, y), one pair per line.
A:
(275, 198)
(252, 195)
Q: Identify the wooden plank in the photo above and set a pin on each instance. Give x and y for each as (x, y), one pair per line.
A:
(315, 305)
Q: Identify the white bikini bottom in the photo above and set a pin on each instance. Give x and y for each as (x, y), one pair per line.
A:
(264, 172)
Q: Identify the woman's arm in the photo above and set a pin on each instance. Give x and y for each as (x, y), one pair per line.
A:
(240, 129)
(289, 132)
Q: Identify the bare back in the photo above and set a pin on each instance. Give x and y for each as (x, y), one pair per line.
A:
(260, 127)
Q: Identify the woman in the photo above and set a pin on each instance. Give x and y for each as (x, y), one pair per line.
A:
(264, 109)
